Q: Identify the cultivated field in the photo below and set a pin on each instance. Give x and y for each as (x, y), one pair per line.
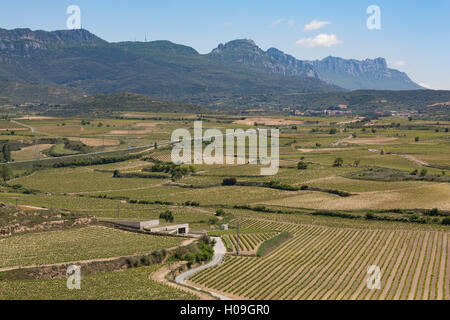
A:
(77, 244)
(384, 203)
(128, 284)
(331, 263)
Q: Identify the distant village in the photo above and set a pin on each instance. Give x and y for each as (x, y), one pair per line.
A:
(341, 109)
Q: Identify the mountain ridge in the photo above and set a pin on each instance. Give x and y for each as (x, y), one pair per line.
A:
(366, 74)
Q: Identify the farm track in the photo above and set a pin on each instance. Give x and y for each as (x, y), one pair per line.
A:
(331, 263)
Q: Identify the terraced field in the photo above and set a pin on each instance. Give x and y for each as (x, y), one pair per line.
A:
(331, 263)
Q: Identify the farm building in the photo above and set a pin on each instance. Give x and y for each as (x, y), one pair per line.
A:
(155, 227)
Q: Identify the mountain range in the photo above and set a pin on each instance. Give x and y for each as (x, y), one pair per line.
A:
(233, 74)
(348, 74)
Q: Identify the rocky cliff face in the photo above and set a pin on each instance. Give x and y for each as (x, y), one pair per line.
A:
(273, 60)
(347, 73)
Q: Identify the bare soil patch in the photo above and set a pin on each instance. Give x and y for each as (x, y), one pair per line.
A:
(129, 132)
(37, 118)
(373, 141)
(96, 142)
(147, 124)
(268, 121)
(312, 150)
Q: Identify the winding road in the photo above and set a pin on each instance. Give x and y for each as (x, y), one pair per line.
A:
(219, 252)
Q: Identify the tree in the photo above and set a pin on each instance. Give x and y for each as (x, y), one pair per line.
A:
(6, 153)
(338, 162)
(434, 212)
(423, 172)
(6, 172)
(357, 162)
(370, 216)
(167, 215)
(333, 131)
(116, 174)
(416, 139)
(213, 220)
(220, 212)
(229, 181)
(302, 165)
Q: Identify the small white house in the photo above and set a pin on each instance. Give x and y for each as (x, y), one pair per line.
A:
(154, 226)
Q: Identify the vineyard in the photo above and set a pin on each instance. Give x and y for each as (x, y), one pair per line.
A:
(77, 244)
(124, 284)
(331, 263)
(248, 242)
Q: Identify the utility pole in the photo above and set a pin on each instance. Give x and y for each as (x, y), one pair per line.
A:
(237, 239)
(118, 210)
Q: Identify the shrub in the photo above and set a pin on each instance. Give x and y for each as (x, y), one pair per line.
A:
(6, 172)
(302, 165)
(338, 162)
(167, 215)
(213, 220)
(434, 212)
(446, 221)
(370, 216)
(423, 172)
(220, 212)
(229, 181)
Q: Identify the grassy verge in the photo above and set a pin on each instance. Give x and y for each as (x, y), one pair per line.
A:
(227, 244)
(269, 245)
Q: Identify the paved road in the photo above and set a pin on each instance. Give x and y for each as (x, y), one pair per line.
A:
(219, 252)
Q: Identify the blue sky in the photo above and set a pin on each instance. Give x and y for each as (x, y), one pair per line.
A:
(414, 35)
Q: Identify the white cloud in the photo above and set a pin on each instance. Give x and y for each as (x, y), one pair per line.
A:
(291, 23)
(400, 63)
(322, 40)
(425, 85)
(315, 25)
(277, 22)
